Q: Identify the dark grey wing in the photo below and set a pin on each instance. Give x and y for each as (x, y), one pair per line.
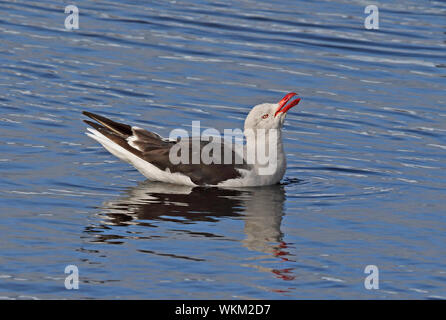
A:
(120, 129)
(156, 150)
(199, 172)
(133, 139)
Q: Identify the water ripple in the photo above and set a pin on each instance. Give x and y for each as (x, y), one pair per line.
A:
(365, 148)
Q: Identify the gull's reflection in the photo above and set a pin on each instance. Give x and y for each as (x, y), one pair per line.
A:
(150, 203)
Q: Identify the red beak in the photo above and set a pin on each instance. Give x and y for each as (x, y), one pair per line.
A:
(283, 107)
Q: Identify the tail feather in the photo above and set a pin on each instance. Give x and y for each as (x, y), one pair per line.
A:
(116, 127)
(95, 125)
(115, 132)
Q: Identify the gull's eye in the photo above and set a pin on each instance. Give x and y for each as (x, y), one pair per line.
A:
(265, 116)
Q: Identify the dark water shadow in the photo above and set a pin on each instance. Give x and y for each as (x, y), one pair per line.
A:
(150, 204)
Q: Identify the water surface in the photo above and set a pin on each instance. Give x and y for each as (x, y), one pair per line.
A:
(366, 150)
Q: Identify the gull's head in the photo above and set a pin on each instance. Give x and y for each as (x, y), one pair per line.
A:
(270, 115)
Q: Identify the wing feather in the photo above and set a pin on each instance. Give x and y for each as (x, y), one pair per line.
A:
(154, 149)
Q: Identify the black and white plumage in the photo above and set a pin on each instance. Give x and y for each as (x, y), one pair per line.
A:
(149, 153)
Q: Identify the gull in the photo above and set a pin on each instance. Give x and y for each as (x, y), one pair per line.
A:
(261, 161)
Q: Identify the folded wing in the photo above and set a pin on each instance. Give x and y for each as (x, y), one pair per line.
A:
(155, 150)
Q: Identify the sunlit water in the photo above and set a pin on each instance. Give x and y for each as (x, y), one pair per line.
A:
(366, 150)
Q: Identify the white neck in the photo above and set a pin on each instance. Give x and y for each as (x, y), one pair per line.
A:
(264, 151)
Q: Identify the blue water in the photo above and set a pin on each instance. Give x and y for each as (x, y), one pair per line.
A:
(366, 150)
